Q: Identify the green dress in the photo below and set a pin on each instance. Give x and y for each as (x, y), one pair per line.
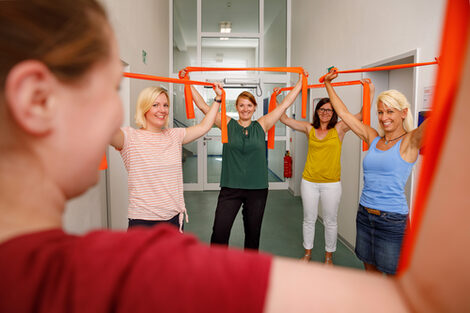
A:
(244, 163)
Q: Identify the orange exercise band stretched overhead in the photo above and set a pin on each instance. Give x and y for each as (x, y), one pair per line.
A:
(189, 107)
(365, 105)
(453, 49)
(298, 70)
(381, 68)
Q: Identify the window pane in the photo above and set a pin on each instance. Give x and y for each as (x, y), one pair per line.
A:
(214, 160)
(275, 33)
(242, 14)
(190, 163)
(184, 34)
(276, 162)
(233, 52)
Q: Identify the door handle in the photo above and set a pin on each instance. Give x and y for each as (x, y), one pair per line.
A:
(206, 138)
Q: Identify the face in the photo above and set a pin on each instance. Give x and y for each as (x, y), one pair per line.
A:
(157, 115)
(245, 109)
(389, 118)
(325, 112)
(90, 114)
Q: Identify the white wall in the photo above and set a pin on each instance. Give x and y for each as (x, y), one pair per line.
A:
(139, 25)
(349, 35)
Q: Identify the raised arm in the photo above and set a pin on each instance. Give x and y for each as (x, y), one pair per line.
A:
(410, 147)
(383, 295)
(196, 131)
(364, 132)
(301, 126)
(202, 105)
(342, 127)
(267, 121)
(118, 140)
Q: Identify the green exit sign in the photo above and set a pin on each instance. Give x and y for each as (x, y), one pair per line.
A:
(144, 56)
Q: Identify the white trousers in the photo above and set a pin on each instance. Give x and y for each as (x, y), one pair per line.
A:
(329, 194)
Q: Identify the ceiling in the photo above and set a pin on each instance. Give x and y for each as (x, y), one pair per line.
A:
(242, 13)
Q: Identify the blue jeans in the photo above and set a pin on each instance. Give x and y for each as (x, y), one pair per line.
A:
(379, 238)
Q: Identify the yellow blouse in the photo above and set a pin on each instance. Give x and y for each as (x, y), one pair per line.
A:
(323, 163)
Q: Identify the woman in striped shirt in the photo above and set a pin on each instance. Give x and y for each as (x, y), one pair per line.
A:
(152, 156)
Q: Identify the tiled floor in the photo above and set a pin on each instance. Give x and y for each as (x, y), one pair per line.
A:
(281, 233)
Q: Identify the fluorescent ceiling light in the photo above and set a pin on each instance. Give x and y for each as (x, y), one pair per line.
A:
(225, 27)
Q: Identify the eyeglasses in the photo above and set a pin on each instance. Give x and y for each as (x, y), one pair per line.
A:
(322, 110)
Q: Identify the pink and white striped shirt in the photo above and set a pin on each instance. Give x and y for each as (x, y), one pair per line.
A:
(155, 173)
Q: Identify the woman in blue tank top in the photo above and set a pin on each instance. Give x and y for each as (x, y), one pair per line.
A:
(383, 210)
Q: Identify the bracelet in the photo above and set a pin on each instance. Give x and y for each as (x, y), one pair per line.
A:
(217, 100)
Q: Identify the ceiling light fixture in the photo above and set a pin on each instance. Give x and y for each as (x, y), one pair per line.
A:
(225, 27)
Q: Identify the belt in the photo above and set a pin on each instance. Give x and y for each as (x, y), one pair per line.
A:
(373, 211)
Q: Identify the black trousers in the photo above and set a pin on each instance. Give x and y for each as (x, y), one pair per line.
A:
(228, 205)
(148, 223)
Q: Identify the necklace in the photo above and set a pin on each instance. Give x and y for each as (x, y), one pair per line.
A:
(387, 141)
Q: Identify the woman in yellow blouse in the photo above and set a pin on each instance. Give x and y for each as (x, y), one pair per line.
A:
(321, 179)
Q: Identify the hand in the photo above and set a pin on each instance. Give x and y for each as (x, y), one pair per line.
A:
(371, 85)
(183, 73)
(332, 74)
(277, 90)
(218, 89)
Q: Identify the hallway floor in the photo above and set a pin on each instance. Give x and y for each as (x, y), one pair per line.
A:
(281, 232)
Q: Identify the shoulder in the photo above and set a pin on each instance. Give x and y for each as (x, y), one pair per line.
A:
(176, 133)
(128, 130)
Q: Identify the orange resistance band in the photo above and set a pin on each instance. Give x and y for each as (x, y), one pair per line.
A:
(187, 89)
(365, 105)
(453, 49)
(189, 107)
(298, 70)
(381, 68)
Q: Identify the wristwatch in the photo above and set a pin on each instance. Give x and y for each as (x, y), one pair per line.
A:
(217, 100)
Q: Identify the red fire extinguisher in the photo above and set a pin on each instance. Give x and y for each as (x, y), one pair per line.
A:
(287, 165)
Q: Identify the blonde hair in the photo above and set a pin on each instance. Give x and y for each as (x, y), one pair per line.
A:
(146, 99)
(395, 99)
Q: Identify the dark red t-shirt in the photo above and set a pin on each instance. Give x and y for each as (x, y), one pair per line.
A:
(156, 270)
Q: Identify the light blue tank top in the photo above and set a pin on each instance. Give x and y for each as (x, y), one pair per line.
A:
(385, 176)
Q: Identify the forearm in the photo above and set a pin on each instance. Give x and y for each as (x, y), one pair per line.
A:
(196, 131)
(336, 101)
(211, 116)
(290, 97)
(268, 120)
(199, 101)
(349, 287)
(294, 124)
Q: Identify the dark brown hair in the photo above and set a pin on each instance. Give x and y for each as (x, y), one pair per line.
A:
(247, 95)
(316, 118)
(68, 36)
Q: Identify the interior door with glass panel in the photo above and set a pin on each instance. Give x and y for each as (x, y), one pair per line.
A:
(213, 33)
